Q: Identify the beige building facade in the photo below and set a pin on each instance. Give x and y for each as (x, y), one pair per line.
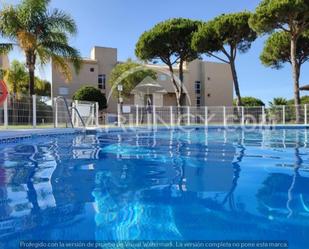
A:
(4, 62)
(205, 83)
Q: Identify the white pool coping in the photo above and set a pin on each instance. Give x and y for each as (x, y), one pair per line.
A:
(7, 134)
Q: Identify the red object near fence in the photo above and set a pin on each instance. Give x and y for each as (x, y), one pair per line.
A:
(3, 92)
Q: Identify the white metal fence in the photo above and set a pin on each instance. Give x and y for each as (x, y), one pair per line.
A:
(44, 112)
(211, 115)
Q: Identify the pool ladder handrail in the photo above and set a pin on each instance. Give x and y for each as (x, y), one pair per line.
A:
(69, 112)
(78, 114)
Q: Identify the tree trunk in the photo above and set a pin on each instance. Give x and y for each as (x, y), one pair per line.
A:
(14, 88)
(31, 60)
(181, 77)
(296, 73)
(14, 110)
(236, 84)
(13, 100)
(175, 85)
(31, 92)
(31, 81)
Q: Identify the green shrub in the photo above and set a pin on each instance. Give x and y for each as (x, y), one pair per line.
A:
(90, 93)
(250, 101)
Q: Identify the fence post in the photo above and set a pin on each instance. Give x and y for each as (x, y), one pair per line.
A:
(97, 114)
(118, 115)
(171, 116)
(283, 114)
(242, 115)
(34, 111)
(154, 122)
(56, 113)
(306, 121)
(136, 115)
(6, 115)
(263, 115)
(224, 115)
(188, 114)
(93, 112)
(206, 116)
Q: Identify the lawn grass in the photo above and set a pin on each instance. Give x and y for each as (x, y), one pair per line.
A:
(22, 127)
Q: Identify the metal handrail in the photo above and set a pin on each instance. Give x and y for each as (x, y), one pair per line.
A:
(78, 114)
(67, 108)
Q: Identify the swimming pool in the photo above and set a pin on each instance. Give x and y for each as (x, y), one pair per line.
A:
(199, 184)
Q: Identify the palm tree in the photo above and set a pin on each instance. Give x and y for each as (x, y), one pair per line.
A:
(5, 48)
(42, 35)
(276, 109)
(16, 77)
(278, 102)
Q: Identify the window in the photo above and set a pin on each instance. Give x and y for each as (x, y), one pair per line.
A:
(92, 69)
(197, 87)
(101, 81)
(63, 91)
(198, 101)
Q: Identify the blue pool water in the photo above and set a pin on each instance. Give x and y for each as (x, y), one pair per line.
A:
(167, 185)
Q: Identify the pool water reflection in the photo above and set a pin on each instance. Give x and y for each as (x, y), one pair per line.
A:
(195, 185)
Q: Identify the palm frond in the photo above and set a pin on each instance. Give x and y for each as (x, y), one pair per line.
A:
(9, 22)
(43, 56)
(57, 37)
(62, 66)
(58, 20)
(5, 48)
(29, 10)
(68, 53)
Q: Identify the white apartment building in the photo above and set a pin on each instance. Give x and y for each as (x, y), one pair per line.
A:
(206, 83)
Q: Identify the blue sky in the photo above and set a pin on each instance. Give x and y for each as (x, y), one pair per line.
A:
(119, 23)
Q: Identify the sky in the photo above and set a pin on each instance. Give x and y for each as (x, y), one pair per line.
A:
(119, 23)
